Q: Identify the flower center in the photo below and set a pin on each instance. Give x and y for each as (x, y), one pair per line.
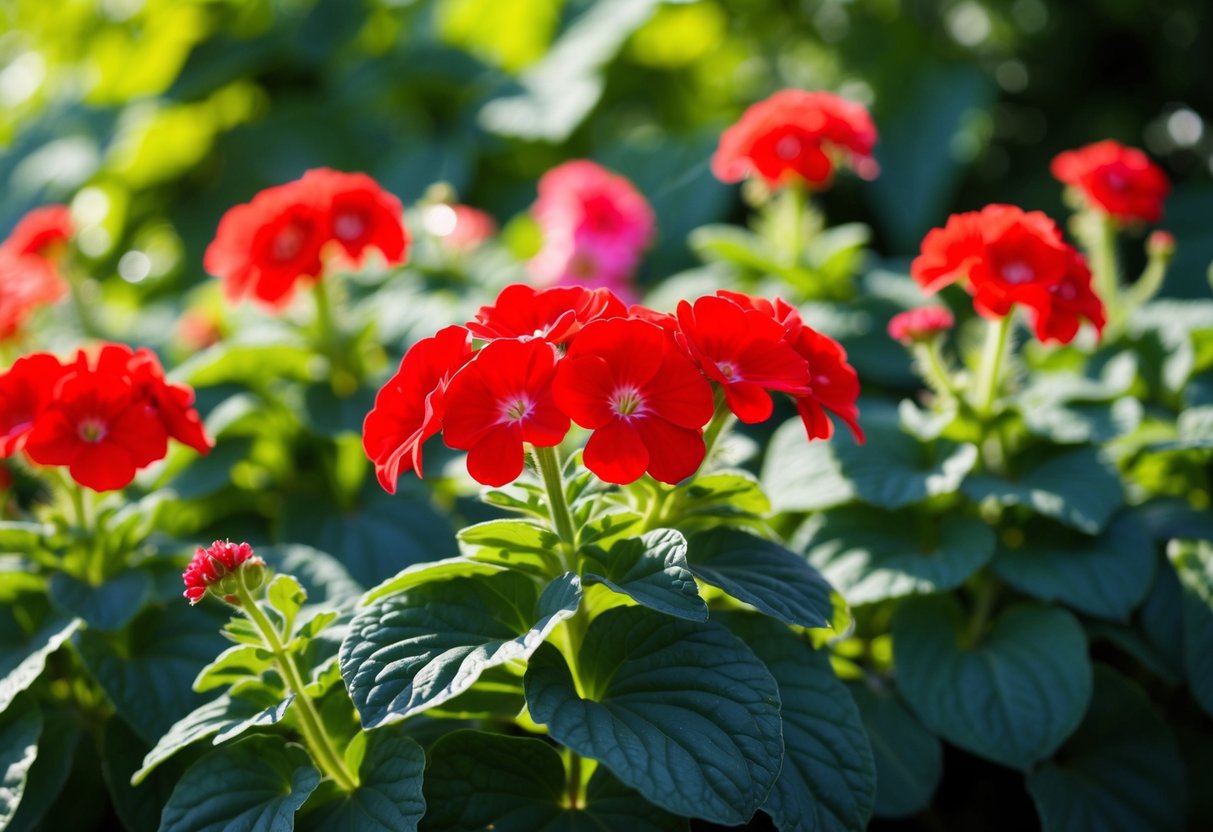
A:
(289, 242)
(349, 226)
(1115, 180)
(787, 148)
(1065, 291)
(727, 369)
(627, 401)
(516, 408)
(1017, 272)
(92, 430)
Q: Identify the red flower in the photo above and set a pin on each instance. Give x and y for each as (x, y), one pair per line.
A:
(26, 389)
(40, 230)
(27, 282)
(459, 227)
(595, 226)
(1118, 181)
(361, 214)
(555, 315)
(1006, 256)
(743, 350)
(499, 400)
(797, 136)
(409, 408)
(98, 427)
(212, 564)
(626, 380)
(172, 404)
(920, 324)
(833, 383)
(265, 247)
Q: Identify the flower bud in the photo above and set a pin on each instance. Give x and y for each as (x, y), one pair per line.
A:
(1160, 244)
(220, 569)
(920, 324)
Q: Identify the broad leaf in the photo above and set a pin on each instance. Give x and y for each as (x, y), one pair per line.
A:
(828, 780)
(477, 780)
(1012, 698)
(762, 573)
(1106, 576)
(110, 606)
(413, 650)
(57, 750)
(22, 656)
(909, 758)
(235, 664)
(1193, 564)
(1077, 488)
(122, 752)
(1121, 769)
(521, 545)
(20, 727)
(255, 785)
(388, 797)
(427, 573)
(651, 570)
(734, 495)
(800, 475)
(680, 711)
(870, 555)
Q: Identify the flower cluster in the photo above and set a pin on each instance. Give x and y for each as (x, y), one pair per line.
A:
(640, 381)
(290, 232)
(1115, 180)
(1006, 256)
(595, 226)
(920, 324)
(797, 136)
(210, 566)
(104, 416)
(29, 277)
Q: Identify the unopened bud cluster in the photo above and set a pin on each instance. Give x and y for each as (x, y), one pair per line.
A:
(220, 568)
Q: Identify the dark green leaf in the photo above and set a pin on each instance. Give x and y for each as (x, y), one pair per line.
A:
(109, 606)
(870, 555)
(138, 807)
(22, 657)
(20, 727)
(828, 780)
(388, 796)
(1193, 564)
(1077, 488)
(57, 749)
(1012, 698)
(1105, 576)
(1121, 770)
(762, 573)
(417, 649)
(254, 785)
(516, 784)
(909, 758)
(680, 711)
(651, 570)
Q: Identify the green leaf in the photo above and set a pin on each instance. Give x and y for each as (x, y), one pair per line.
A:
(1077, 488)
(870, 555)
(23, 538)
(1106, 576)
(22, 656)
(800, 475)
(1013, 698)
(517, 784)
(909, 758)
(20, 727)
(388, 796)
(427, 573)
(732, 495)
(44, 784)
(1193, 564)
(248, 363)
(739, 247)
(235, 664)
(413, 650)
(680, 711)
(287, 597)
(110, 606)
(255, 785)
(651, 570)
(828, 780)
(122, 752)
(148, 670)
(1075, 423)
(763, 574)
(521, 545)
(331, 415)
(1121, 769)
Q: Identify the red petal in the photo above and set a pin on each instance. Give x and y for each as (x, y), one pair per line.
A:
(674, 452)
(497, 458)
(616, 453)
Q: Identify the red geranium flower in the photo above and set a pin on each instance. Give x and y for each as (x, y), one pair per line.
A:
(626, 380)
(920, 324)
(743, 350)
(98, 427)
(797, 135)
(833, 383)
(1119, 181)
(1006, 256)
(173, 404)
(361, 215)
(409, 408)
(40, 230)
(499, 400)
(27, 282)
(26, 389)
(555, 315)
(212, 564)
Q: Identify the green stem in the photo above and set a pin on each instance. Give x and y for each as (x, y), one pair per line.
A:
(318, 740)
(936, 375)
(722, 420)
(1103, 264)
(797, 204)
(331, 342)
(574, 786)
(997, 335)
(553, 483)
(84, 311)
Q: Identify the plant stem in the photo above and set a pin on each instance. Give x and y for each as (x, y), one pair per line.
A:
(1103, 264)
(936, 375)
(997, 335)
(318, 740)
(797, 202)
(574, 786)
(343, 378)
(722, 420)
(553, 482)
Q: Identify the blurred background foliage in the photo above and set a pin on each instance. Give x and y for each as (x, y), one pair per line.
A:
(154, 116)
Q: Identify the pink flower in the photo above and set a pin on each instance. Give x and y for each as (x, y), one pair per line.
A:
(920, 324)
(595, 227)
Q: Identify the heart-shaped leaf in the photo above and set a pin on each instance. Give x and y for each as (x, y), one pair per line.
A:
(909, 758)
(651, 570)
(388, 797)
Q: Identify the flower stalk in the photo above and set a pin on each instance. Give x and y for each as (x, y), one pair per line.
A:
(998, 334)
